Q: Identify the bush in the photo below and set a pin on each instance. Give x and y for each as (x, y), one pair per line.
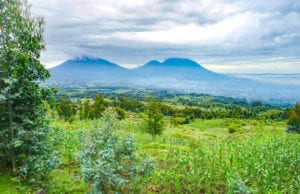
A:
(237, 185)
(182, 120)
(232, 128)
(109, 162)
(121, 114)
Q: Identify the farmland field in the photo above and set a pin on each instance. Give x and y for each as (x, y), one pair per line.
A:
(199, 157)
(203, 157)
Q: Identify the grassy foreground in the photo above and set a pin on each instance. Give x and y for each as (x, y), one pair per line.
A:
(200, 157)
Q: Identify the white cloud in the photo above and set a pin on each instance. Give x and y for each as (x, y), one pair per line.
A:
(209, 9)
(221, 32)
(132, 32)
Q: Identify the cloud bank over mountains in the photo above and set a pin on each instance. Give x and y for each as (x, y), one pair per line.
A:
(253, 36)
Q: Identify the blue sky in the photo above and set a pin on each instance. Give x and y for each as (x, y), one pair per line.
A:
(225, 36)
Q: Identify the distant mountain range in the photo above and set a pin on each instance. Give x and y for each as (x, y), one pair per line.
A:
(179, 74)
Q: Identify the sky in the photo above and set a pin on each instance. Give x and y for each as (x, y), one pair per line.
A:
(237, 36)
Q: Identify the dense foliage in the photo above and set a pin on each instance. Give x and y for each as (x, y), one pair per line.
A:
(183, 107)
(294, 119)
(66, 110)
(24, 146)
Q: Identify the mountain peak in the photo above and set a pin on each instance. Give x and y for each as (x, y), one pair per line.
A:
(181, 62)
(85, 62)
(84, 58)
(89, 59)
(174, 62)
(153, 62)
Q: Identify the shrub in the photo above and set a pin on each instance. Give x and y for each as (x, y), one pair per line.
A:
(232, 128)
(237, 185)
(121, 114)
(182, 120)
(109, 162)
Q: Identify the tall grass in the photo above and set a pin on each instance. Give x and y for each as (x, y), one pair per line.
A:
(253, 165)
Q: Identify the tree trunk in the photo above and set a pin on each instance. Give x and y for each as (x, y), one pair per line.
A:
(10, 125)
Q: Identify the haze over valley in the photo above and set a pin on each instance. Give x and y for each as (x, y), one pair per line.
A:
(178, 74)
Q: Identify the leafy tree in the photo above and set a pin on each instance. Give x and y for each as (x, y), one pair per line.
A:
(154, 123)
(24, 129)
(87, 110)
(66, 110)
(129, 105)
(81, 112)
(294, 119)
(173, 120)
(121, 114)
(108, 162)
(98, 106)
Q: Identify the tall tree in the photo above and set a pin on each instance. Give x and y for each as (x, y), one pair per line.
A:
(87, 109)
(98, 106)
(294, 119)
(24, 129)
(154, 123)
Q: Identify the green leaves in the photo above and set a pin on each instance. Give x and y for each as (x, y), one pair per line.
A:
(98, 106)
(66, 110)
(17, 143)
(154, 119)
(257, 164)
(294, 119)
(24, 126)
(109, 162)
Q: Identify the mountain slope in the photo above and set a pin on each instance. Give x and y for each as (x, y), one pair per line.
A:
(183, 75)
(88, 69)
(179, 68)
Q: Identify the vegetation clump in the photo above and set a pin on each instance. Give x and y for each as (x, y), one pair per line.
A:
(232, 128)
(109, 162)
(154, 123)
(24, 129)
(294, 119)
